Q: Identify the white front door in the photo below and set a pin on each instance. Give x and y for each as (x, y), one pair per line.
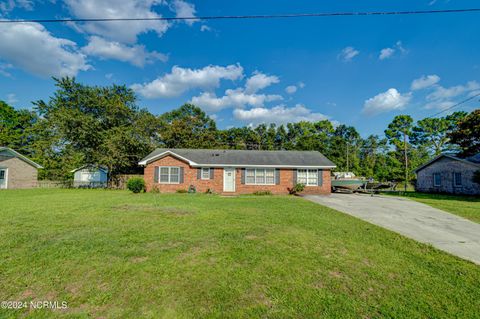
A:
(229, 179)
(3, 178)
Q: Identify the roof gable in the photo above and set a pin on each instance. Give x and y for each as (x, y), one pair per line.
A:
(474, 158)
(19, 156)
(451, 157)
(243, 158)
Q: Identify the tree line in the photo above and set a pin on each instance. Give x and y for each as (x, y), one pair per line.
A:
(104, 125)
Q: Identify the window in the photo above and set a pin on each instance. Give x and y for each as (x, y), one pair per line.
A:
(309, 177)
(259, 176)
(2, 174)
(270, 176)
(457, 179)
(250, 176)
(437, 179)
(302, 176)
(205, 173)
(169, 175)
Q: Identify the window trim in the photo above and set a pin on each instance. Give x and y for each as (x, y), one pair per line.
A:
(455, 179)
(307, 176)
(434, 180)
(204, 169)
(169, 175)
(264, 176)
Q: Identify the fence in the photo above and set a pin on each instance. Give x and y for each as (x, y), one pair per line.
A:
(54, 184)
(118, 182)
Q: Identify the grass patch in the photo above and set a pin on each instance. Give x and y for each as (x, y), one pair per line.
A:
(464, 206)
(148, 208)
(113, 254)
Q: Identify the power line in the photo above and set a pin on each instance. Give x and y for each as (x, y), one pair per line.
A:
(455, 105)
(263, 16)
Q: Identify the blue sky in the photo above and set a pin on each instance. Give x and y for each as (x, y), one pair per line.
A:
(360, 71)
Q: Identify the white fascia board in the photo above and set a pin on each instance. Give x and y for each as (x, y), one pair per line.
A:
(148, 160)
(25, 159)
(260, 166)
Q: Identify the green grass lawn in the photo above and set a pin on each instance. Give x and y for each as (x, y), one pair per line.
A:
(464, 206)
(111, 254)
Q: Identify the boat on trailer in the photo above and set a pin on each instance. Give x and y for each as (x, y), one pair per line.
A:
(346, 181)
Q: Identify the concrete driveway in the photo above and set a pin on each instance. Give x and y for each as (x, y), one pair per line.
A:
(453, 234)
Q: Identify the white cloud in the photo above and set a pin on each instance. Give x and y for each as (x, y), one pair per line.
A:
(9, 5)
(31, 47)
(135, 54)
(184, 9)
(390, 100)
(233, 98)
(386, 53)
(441, 93)
(121, 31)
(205, 28)
(291, 89)
(441, 97)
(348, 54)
(259, 81)
(11, 99)
(3, 69)
(425, 82)
(400, 47)
(109, 76)
(441, 105)
(280, 114)
(180, 80)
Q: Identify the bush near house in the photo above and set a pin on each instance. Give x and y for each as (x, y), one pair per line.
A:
(298, 188)
(136, 185)
(262, 193)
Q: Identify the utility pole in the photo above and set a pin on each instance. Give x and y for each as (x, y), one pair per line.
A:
(348, 163)
(406, 158)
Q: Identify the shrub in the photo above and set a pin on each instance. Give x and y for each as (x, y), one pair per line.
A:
(476, 177)
(155, 190)
(136, 185)
(192, 189)
(209, 191)
(298, 188)
(182, 191)
(262, 193)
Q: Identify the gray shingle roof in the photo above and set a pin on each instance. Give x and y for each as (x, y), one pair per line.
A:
(245, 157)
(8, 152)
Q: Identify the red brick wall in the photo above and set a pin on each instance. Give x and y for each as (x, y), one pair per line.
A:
(216, 184)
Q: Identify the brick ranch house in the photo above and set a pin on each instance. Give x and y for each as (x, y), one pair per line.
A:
(237, 171)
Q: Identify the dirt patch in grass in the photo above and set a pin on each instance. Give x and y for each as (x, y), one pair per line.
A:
(336, 274)
(137, 260)
(173, 211)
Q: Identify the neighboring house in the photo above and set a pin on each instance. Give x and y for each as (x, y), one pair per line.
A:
(17, 171)
(90, 176)
(236, 171)
(449, 174)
